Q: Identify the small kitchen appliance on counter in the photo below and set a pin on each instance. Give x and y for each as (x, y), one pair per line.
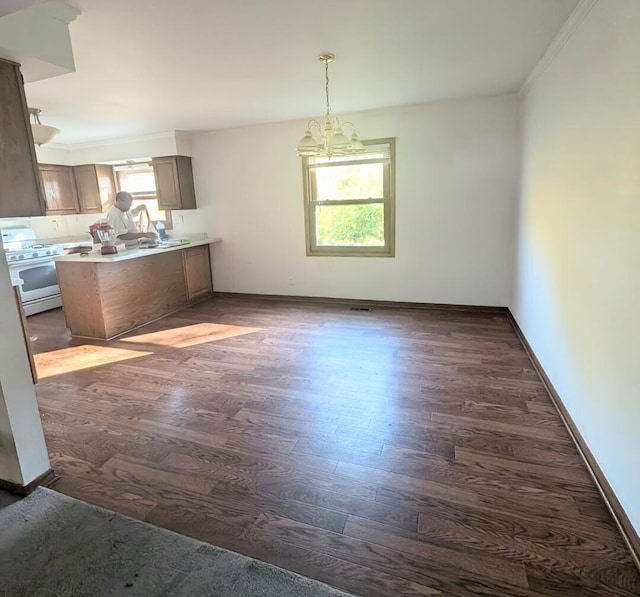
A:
(106, 235)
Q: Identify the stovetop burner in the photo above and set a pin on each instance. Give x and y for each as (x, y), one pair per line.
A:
(21, 245)
(33, 252)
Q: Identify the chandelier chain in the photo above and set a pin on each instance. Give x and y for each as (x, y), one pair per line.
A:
(326, 78)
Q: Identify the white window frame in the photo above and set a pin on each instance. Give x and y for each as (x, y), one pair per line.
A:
(388, 201)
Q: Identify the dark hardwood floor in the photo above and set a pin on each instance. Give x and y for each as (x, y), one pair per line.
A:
(390, 452)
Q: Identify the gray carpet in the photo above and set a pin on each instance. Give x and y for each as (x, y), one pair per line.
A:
(51, 544)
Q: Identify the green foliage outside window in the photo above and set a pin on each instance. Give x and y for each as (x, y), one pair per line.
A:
(350, 225)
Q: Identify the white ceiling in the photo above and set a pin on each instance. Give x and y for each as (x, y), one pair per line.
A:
(148, 66)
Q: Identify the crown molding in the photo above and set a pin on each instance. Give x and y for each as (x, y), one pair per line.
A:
(111, 142)
(559, 41)
(51, 145)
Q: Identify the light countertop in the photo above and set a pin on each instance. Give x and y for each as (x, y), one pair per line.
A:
(133, 253)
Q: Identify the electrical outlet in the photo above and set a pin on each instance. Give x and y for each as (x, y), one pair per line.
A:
(179, 219)
(291, 281)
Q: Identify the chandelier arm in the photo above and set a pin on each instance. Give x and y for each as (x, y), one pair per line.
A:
(314, 124)
(353, 126)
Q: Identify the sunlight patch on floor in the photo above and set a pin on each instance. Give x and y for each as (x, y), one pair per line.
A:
(191, 335)
(76, 358)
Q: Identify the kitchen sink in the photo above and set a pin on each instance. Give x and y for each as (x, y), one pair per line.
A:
(165, 244)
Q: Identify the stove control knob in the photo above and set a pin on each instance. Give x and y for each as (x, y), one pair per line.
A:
(12, 258)
(35, 254)
(48, 252)
(20, 256)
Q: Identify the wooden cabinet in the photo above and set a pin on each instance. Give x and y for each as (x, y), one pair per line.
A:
(197, 272)
(96, 187)
(174, 182)
(60, 193)
(20, 187)
(77, 189)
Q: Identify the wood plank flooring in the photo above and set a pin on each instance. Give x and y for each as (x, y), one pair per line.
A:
(389, 452)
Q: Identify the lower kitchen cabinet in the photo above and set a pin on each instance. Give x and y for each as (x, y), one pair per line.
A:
(60, 192)
(197, 272)
(106, 296)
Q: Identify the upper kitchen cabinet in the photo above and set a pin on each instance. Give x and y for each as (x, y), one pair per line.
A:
(96, 187)
(174, 182)
(20, 189)
(60, 191)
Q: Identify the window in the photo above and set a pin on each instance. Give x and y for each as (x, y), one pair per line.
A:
(350, 202)
(139, 180)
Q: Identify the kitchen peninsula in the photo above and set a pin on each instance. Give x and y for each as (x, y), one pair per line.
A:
(104, 296)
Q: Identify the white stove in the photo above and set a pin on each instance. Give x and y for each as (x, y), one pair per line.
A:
(33, 263)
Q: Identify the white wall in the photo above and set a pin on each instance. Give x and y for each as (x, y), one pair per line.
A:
(577, 293)
(456, 169)
(23, 454)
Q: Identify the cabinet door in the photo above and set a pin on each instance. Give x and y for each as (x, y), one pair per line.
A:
(20, 187)
(174, 182)
(107, 186)
(88, 190)
(197, 271)
(96, 187)
(166, 173)
(59, 189)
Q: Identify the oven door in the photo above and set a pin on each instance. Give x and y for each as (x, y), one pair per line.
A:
(39, 279)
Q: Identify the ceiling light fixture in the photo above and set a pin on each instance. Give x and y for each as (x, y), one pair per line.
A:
(330, 140)
(41, 132)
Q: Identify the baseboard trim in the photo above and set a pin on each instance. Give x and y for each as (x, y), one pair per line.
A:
(24, 490)
(364, 302)
(628, 532)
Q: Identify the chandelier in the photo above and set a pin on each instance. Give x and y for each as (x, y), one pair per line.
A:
(41, 132)
(329, 140)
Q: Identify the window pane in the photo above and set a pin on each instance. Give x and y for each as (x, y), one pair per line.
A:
(142, 182)
(364, 181)
(137, 181)
(155, 214)
(350, 225)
